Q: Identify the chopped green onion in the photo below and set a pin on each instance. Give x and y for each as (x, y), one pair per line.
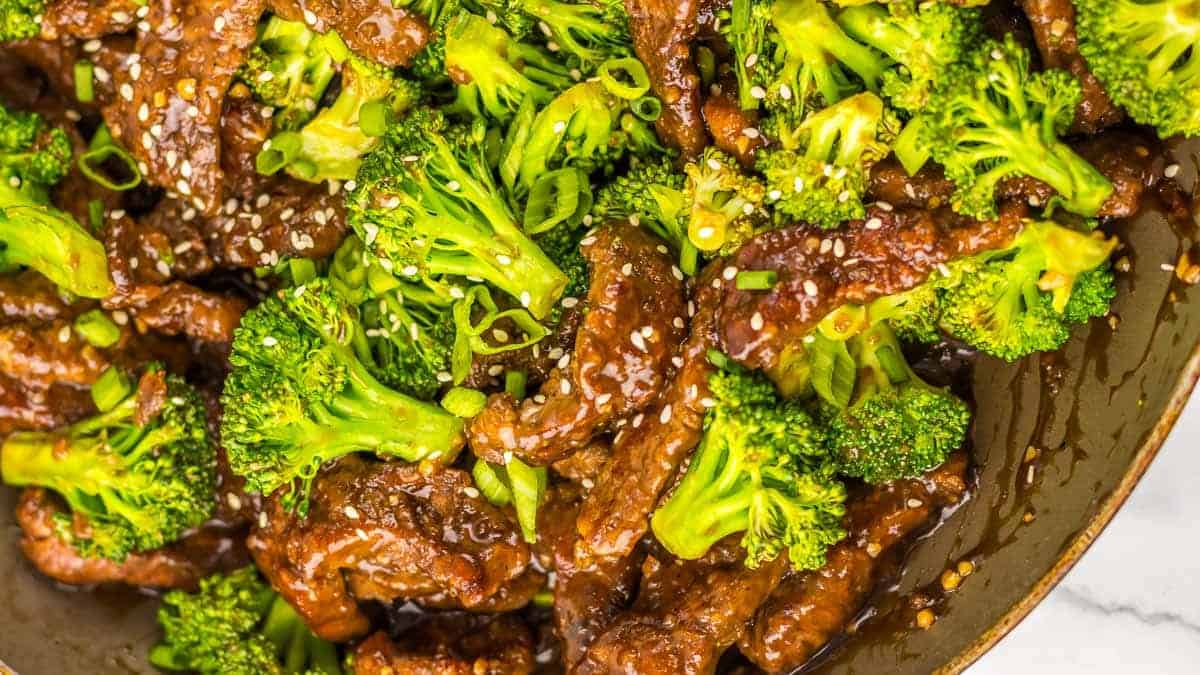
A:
(647, 108)
(689, 258)
(514, 383)
(528, 484)
(706, 63)
(285, 147)
(373, 118)
(833, 370)
(110, 389)
(562, 196)
(760, 280)
(491, 483)
(463, 402)
(912, 153)
(303, 270)
(102, 148)
(96, 214)
(470, 326)
(304, 169)
(720, 361)
(85, 85)
(634, 72)
(543, 598)
(99, 330)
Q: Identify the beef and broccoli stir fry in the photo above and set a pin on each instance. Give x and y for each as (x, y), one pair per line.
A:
(502, 336)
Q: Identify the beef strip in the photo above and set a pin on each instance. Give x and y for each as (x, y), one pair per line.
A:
(450, 644)
(585, 464)
(380, 531)
(1053, 23)
(155, 248)
(179, 308)
(26, 407)
(537, 361)
(633, 323)
(733, 130)
(649, 449)
(808, 609)
(168, 109)
(85, 19)
(686, 614)
(1132, 161)
(285, 219)
(56, 60)
(29, 296)
(888, 252)
(379, 30)
(663, 32)
(212, 548)
(245, 126)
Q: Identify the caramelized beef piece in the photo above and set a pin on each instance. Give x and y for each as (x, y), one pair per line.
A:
(450, 644)
(733, 130)
(686, 614)
(891, 251)
(155, 248)
(245, 126)
(633, 324)
(210, 549)
(25, 407)
(182, 309)
(380, 531)
(537, 361)
(648, 450)
(86, 19)
(57, 61)
(379, 30)
(584, 465)
(808, 609)
(287, 219)
(891, 184)
(663, 31)
(29, 296)
(1053, 23)
(168, 109)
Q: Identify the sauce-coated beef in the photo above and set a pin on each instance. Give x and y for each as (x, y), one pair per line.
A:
(450, 644)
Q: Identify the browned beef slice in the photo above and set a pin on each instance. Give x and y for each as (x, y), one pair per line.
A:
(182, 309)
(86, 19)
(450, 644)
(386, 531)
(634, 322)
(284, 219)
(379, 30)
(733, 130)
(808, 609)
(663, 31)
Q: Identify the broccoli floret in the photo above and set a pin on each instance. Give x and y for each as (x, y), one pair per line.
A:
(922, 38)
(427, 203)
(332, 144)
(589, 33)
(289, 68)
(50, 241)
(299, 396)
(747, 28)
(409, 329)
(237, 625)
(1145, 53)
(140, 477)
(653, 192)
(820, 170)
(495, 73)
(34, 156)
(1022, 299)
(761, 468)
(724, 205)
(20, 19)
(896, 425)
(584, 127)
(561, 245)
(992, 118)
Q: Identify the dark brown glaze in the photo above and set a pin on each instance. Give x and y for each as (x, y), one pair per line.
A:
(686, 614)
(385, 531)
(169, 101)
(648, 450)
(85, 19)
(585, 464)
(29, 296)
(663, 32)
(733, 130)
(891, 184)
(179, 308)
(450, 644)
(376, 29)
(889, 252)
(808, 609)
(24, 407)
(245, 126)
(537, 361)
(633, 323)
(154, 249)
(1053, 23)
(56, 60)
(283, 219)
(209, 549)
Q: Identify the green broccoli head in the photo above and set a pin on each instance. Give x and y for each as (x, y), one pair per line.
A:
(1022, 299)
(589, 33)
(561, 245)
(427, 204)
(299, 396)
(992, 118)
(237, 625)
(20, 19)
(289, 67)
(896, 425)
(1144, 51)
(653, 193)
(495, 73)
(724, 205)
(762, 469)
(34, 156)
(820, 170)
(139, 483)
(921, 38)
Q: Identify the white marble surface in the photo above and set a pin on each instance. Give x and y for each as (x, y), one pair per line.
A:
(1132, 604)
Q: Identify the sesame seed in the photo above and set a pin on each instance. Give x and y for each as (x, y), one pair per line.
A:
(185, 169)
(775, 195)
(1167, 267)
(500, 334)
(219, 24)
(839, 248)
(750, 132)
(748, 208)
(677, 361)
(560, 126)
(729, 273)
(678, 322)
(183, 187)
(309, 17)
(503, 259)
(751, 60)
(810, 288)
(256, 244)
(120, 17)
(826, 246)
(444, 377)
(844, 196)
(127, 91)
(714, 164)
(183, 247)
(471, 492)
(565, 387)
(1171, 171)
(564, 361)
(665, 415)
(708, 402)
(453, 186)
(676, 272)
(91, 46)
(603, 398)
(587, 241)
(135, 71)
(64, 334)
(915, 503)
(143, 112)
(162, 268)
(637, 420)
(885, 206)
(569, 302)
(758, 92)
(627, 269)
(756, 321)
(351, 512)
(117, 214)
(637, 340)
(798, 184)
(409, 271)
(647, 332)
(785, 92)
(873, 224)
(526, 298)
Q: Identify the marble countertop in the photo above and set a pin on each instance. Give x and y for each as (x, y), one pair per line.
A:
(1132, 604)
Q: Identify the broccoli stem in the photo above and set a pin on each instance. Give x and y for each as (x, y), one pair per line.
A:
(712, 502)
(51, 242)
